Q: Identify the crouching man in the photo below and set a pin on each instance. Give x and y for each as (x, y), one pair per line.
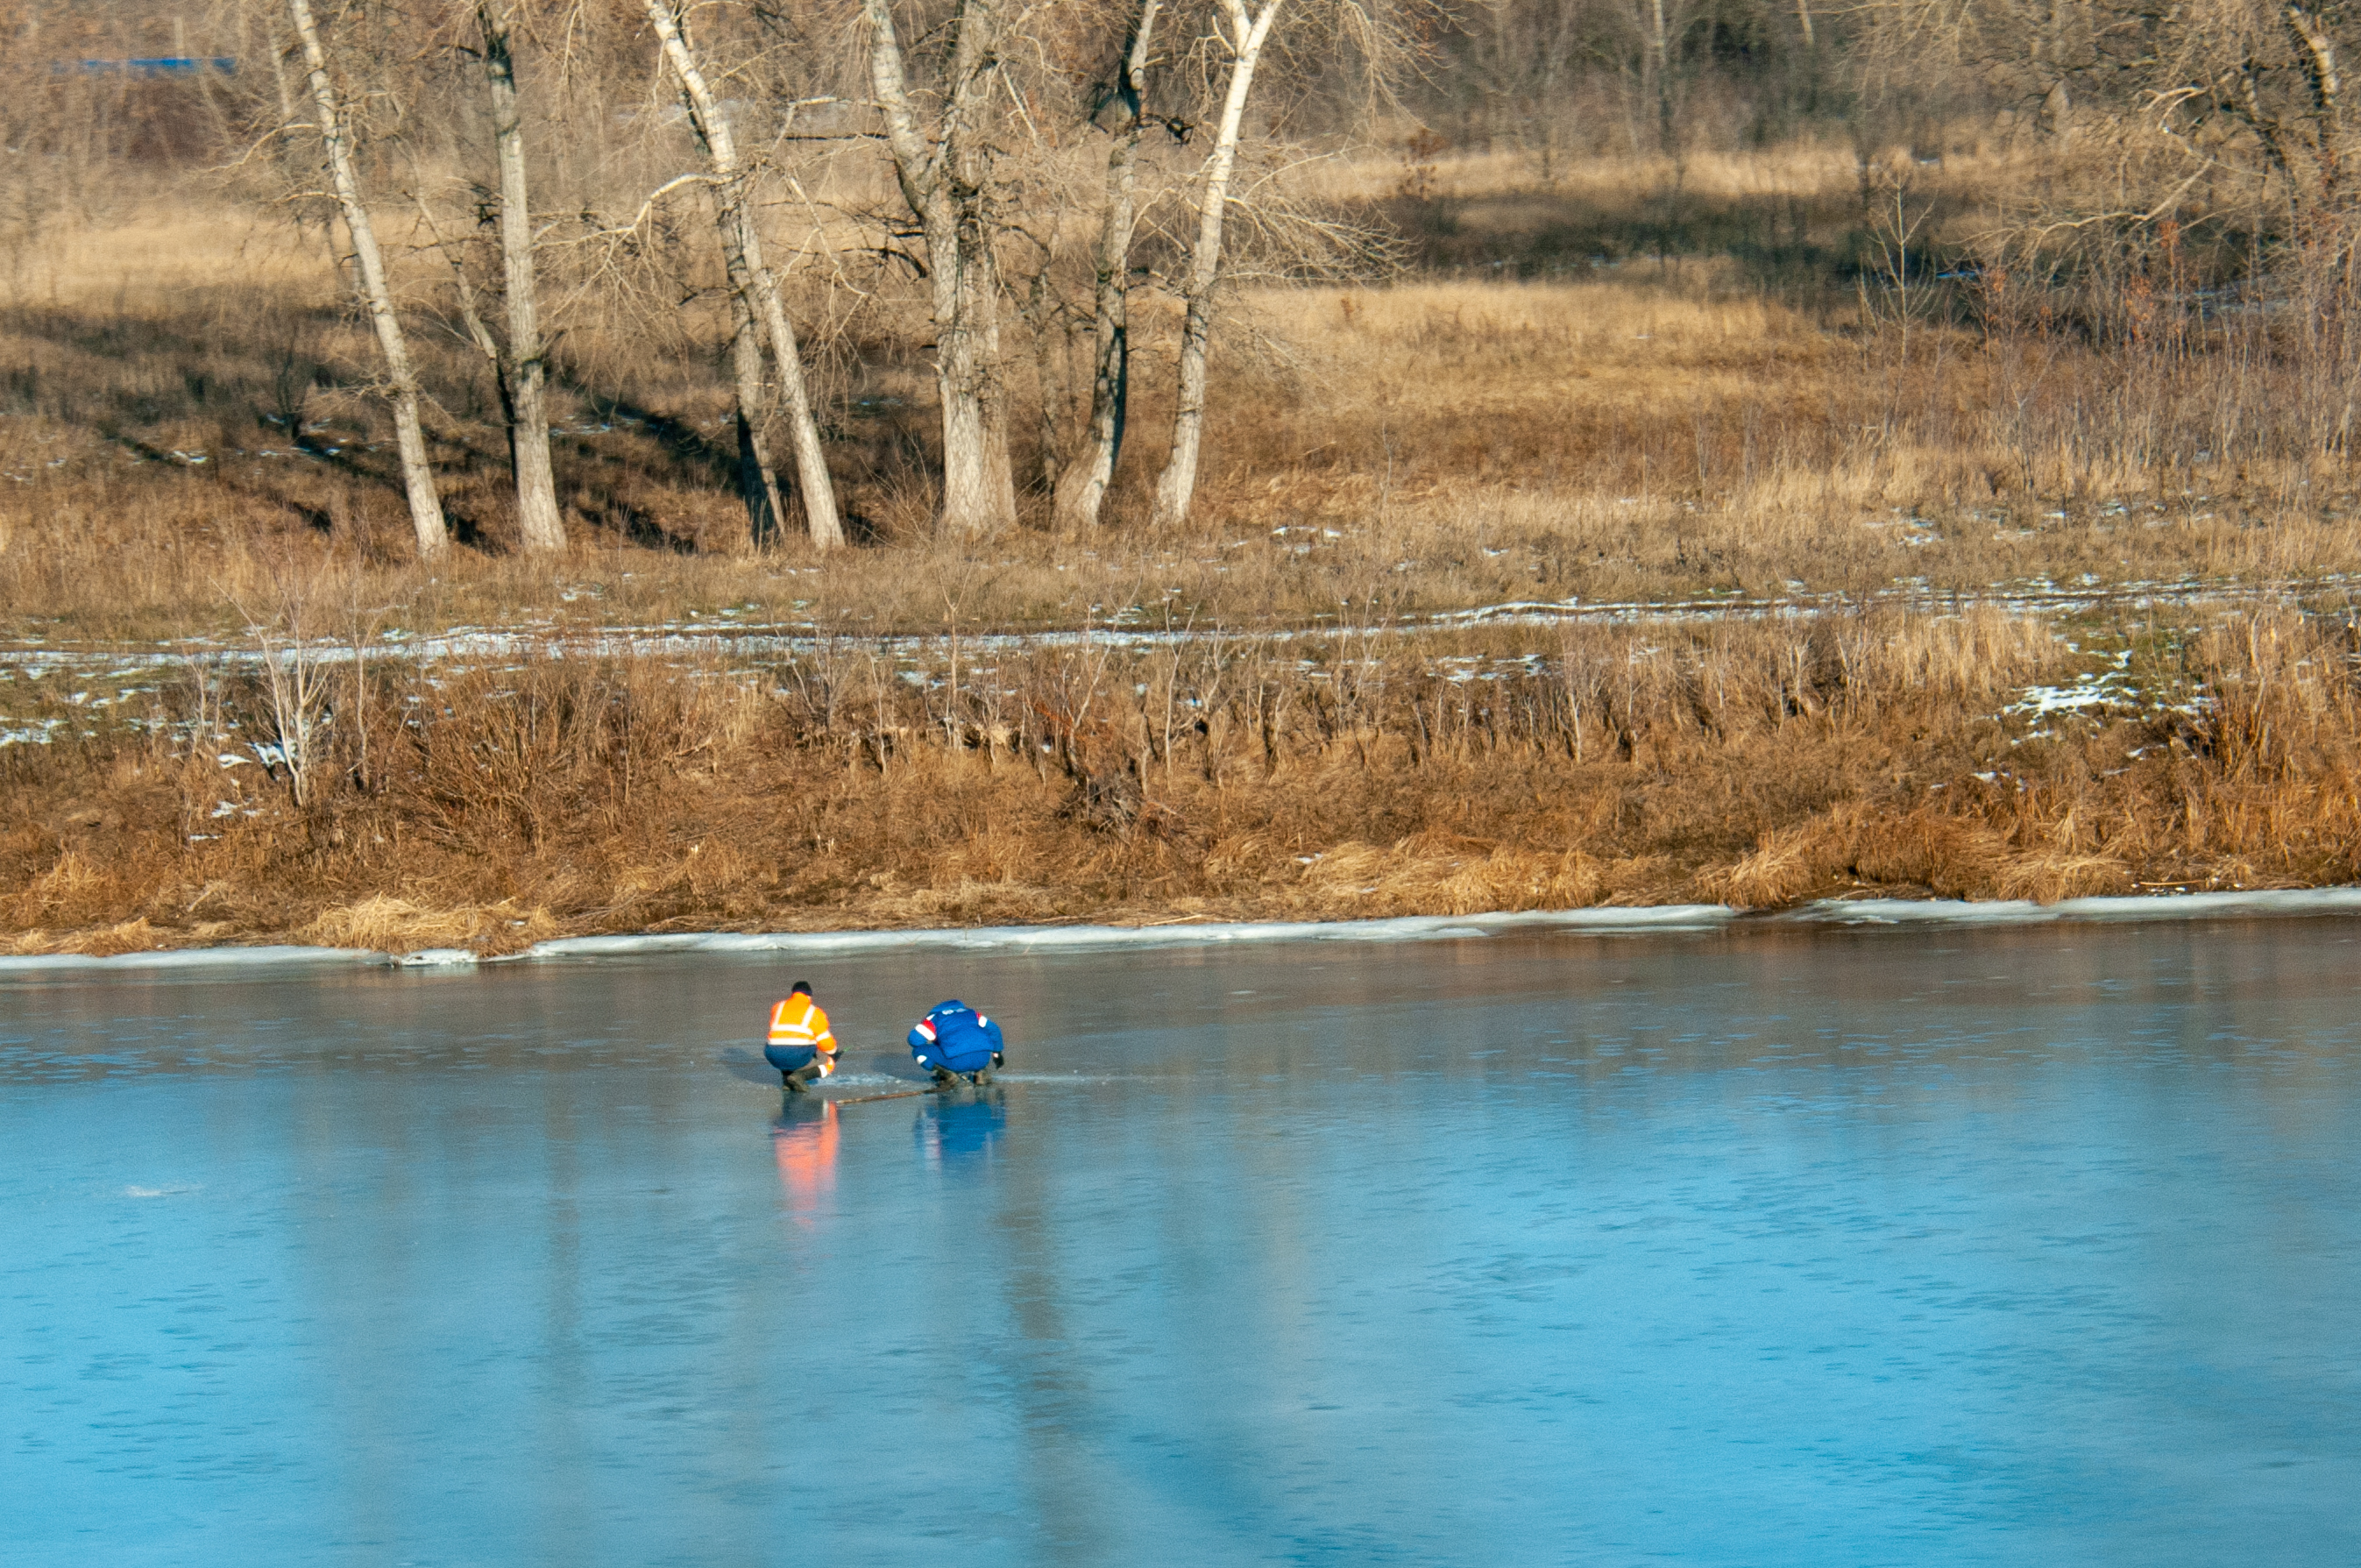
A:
(801, 1046)
(957, 1041)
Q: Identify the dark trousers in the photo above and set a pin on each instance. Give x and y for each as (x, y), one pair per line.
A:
(798, 1065)
(975, 1071)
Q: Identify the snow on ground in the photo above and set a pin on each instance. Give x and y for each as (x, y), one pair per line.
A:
(704, 640)
(2103, 688)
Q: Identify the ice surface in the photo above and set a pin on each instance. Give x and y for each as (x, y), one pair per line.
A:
(184, 958)
(1767, 1244)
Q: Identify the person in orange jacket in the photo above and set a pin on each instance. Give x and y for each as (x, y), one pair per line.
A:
(801, 1046)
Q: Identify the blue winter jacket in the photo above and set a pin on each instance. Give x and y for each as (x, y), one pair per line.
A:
(956, 1036)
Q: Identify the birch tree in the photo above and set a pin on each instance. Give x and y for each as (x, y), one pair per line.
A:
(758, 481)
(1083, 486)
(1242, 33)
(1658, 74)
(336, 135)
(944, 173)
(755, 290)
(518, 361)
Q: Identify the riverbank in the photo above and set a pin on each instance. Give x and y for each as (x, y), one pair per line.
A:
(820, 945)
(1353, 775)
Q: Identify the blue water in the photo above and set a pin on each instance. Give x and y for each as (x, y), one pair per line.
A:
(1756, 1247)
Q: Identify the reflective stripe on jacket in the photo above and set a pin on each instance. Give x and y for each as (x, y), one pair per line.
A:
(798, 1021)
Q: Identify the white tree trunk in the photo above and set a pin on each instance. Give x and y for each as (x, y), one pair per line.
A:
(943, 185)
(1659, 54)
(756, 286)
(536, 484)
(1176, 487)
(1083, 486)
(758, 483)
(2327, 96)
(980, 490)
(377, 295)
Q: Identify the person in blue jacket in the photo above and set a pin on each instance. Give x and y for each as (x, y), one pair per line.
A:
(957, 1041)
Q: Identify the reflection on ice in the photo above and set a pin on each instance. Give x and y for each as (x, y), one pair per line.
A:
(961, 1126)
(802, 1140)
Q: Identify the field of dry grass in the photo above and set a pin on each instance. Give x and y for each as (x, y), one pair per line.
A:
(187, 450)
(187, 415)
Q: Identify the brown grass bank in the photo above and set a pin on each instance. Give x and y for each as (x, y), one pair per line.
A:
(871, 785)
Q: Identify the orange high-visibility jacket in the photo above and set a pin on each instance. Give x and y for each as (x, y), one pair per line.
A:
(798, 1021)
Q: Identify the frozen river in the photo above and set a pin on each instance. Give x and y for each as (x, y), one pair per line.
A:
(1755, 1247)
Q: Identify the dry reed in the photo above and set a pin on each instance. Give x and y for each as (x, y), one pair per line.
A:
(1758, 764)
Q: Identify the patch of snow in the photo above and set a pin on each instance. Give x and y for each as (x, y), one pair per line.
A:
(36, 733)
(2106, 686)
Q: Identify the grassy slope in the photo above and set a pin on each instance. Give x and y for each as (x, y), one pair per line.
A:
(1335, 777)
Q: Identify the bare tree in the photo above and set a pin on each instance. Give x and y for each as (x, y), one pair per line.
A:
(755, 290)
(1083, 486)
(1521, 55)
(944, 172)
(1649, 42)
(1658, 72)
(758, 481)
(2226, 109)
(336, 132)
(524, 373)
(295, 684)
(1243, 34)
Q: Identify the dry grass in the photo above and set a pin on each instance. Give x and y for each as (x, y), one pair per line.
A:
(1761, 764)
(1644, 432)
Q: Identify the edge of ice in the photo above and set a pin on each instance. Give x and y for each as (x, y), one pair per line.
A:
(1891, 912)
(2023, 912)
(1034, 938)
(185, 957)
